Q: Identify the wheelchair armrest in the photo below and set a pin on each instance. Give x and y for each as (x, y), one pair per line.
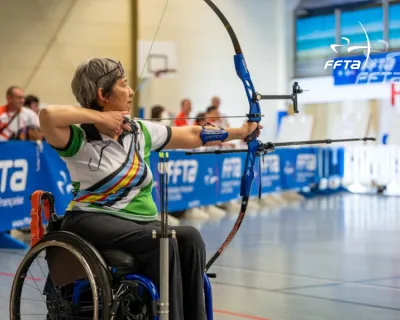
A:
(212, 275)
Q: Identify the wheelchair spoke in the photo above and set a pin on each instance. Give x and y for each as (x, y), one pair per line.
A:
(28, 285)
(28, 299)
(36, 285)
(32, 314)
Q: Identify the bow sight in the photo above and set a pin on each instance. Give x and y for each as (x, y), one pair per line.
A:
(295, 91)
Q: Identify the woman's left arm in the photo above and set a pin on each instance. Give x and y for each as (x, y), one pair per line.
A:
(190, 137)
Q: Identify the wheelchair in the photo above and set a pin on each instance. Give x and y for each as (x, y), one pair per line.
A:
(84, 282)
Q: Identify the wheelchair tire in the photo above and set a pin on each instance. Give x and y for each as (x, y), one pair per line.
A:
(98, 277)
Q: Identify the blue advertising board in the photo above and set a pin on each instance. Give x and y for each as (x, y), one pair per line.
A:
(194, 181)
(379, 68)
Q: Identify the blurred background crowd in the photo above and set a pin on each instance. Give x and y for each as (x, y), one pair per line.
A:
(19, 117)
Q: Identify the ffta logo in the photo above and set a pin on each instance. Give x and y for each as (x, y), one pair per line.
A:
(354, 64)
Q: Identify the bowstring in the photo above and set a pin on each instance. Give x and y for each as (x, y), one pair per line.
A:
(151, 47)
(147, 58)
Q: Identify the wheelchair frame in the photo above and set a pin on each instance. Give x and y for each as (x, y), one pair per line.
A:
(108, 274)
(151, 288)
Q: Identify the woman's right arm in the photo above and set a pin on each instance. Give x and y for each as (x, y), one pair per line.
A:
(55, 121)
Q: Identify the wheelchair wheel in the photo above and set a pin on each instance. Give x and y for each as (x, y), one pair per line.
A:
(134, 302)
(69, 294)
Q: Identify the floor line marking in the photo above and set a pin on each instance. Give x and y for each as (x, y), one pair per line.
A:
(12, 275)
(359, 282)
(274, 273)
(307, 296)
(239, 315)
(342, 301)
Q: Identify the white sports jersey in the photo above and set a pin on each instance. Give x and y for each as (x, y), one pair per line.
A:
(26, 118)
(114, 176)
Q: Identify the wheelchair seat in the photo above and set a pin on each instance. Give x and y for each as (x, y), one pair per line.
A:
(121, 262)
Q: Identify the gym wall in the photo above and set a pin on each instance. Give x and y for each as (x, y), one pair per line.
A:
(49, 38)
(205, 54)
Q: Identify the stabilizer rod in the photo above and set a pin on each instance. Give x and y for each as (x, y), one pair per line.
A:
(326, 141)
(269, 146)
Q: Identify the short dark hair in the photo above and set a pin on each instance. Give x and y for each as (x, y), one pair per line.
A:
(11, 89)
(156, 111)
(200, 116)
(30, 99)
(210, 109)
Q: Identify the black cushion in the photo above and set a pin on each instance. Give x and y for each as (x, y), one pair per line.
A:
(121, 262)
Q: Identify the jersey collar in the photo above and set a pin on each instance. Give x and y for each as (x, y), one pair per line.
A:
(92, 134)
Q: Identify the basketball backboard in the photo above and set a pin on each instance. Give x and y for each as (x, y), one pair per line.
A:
(161, 62)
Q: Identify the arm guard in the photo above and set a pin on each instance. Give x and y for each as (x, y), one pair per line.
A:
(208, 135)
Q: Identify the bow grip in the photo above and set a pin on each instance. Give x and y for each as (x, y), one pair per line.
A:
(252, 136)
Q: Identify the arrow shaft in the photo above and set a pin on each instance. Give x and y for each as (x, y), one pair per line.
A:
(192, 118)
(283, 144)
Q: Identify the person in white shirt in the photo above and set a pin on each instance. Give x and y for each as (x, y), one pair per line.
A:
(32, 102)
(16, 121)
(222, 122)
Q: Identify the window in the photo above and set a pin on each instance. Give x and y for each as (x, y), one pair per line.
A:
(394, 26)
(314, 35)
(353, 24)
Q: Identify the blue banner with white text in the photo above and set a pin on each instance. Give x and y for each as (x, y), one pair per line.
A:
(194, 181)
(379, 68)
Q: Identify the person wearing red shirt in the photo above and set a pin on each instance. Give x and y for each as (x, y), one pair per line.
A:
(186, 108)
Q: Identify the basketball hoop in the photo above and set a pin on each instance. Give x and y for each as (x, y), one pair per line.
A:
(159, 73)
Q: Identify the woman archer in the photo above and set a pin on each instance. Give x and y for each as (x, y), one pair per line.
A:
(108, 161)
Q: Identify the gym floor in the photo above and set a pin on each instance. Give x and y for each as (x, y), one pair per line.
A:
(325, 258)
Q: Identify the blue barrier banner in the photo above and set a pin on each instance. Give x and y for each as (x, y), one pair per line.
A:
(197, 180)
(288, 168)
(270, 174)
(380, 68)
(227, 171)
(20, 172)
(56, 178)
(189, 178)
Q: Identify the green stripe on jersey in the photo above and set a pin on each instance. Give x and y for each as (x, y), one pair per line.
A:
(143, 203)
(74, 143)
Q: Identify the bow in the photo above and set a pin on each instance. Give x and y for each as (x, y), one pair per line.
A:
(254, 115)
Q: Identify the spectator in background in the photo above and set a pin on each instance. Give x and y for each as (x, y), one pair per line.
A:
(186, 108)
(16, 121)
(212, 115)
(32, 102)
(222, 122)
(200, 119)
(156, 112)
(159, 114)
